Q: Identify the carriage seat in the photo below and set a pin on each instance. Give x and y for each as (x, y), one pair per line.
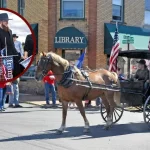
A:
(132, 92)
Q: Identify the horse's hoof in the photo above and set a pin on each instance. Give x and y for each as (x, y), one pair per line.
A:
(86, 130)
(59, 132)
(106, 127)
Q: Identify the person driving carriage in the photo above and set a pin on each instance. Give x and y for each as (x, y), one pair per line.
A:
(142, 73)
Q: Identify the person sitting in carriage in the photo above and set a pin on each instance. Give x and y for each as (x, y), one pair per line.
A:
(142, 73)
(120, 74)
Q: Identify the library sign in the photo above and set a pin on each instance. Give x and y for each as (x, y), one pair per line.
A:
(70, 38)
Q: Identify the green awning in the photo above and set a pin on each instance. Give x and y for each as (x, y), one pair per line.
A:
(35, 29)
(140, 36)
(70, 38)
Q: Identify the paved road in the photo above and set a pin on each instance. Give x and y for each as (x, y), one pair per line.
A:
(33, 128)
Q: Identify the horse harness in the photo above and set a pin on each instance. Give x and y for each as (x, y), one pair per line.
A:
(66, 78)
(67, 81)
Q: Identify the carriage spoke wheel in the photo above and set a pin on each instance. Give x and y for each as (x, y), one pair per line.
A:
(146, 112)
(117, 114)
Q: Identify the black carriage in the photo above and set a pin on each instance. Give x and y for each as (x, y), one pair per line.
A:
(132, 93)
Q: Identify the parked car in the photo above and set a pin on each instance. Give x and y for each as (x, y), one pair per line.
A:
(29, 74)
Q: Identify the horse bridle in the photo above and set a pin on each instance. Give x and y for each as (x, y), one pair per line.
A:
(46, 62)
(45, 70)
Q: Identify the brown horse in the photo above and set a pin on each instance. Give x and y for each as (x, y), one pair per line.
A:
(74, 93)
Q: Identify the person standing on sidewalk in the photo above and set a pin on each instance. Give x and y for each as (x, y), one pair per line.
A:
(49, 82)
(18, 45)
(2, 94)
(14, 98)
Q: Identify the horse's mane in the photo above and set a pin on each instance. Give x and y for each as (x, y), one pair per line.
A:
(58, 59)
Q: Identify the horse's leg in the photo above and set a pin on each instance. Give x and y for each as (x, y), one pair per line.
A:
(107, 106)
(82, 111)
(64, 115)
(110, 98)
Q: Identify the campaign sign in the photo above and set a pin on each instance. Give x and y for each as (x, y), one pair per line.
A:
(6, 68)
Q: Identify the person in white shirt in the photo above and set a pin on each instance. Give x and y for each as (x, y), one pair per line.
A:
(18, 45)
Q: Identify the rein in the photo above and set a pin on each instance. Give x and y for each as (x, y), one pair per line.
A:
(65, 81)
(68, 73)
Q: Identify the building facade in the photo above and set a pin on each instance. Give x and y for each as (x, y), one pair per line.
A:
(88, 16)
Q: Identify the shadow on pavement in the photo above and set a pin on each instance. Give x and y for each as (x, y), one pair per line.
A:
(76, 133)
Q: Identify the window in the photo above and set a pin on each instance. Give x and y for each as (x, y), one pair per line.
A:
(3, 3)
(21, 7)
(72, 9)
(147, 11)
(117, 10)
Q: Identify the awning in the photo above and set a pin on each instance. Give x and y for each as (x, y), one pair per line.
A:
(35, 29)
(139, 37)
(70, 38)
(139, 54)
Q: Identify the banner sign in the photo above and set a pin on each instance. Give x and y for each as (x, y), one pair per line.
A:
(6, 68)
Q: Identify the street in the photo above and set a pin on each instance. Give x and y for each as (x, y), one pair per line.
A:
(34, 128)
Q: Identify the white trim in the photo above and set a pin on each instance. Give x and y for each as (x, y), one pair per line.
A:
(62, 15)
(122, 11)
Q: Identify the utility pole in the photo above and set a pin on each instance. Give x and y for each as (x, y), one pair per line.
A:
(128, 43)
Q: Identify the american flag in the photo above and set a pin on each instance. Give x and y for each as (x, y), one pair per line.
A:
(114, 52)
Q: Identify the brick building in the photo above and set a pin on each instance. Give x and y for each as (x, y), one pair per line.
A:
(94, 18)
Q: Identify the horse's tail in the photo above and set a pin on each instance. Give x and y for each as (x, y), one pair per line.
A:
(117, 95)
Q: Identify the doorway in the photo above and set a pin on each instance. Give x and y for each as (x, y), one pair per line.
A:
(71, 55)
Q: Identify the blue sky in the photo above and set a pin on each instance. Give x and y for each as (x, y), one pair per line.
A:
(18, 26)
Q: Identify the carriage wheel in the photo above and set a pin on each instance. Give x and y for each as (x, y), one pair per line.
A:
(146, 112)
(117, 114)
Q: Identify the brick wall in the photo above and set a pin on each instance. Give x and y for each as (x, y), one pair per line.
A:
(134, 12)
(13, 5)
(36, 11)
(47, 14)
(52, 24)
(104, 15)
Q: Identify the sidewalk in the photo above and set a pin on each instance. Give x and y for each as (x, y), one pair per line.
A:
(39, 100)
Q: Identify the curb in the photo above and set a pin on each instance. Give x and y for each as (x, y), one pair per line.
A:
(33, 103)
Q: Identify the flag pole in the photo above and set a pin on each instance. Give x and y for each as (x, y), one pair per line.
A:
(6, 46)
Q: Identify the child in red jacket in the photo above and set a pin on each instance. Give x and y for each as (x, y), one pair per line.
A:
(49, 81)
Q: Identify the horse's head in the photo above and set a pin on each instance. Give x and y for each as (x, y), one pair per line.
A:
(50, 61)
(43, 66)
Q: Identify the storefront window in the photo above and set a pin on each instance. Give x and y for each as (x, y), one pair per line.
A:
(71, 55)
(72, 9)
(117, 10)
(21, 7)
(147, 11)
(3, 3)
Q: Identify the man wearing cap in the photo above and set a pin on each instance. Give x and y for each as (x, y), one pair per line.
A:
(6, 39)
(142, 73)
(18, 45)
